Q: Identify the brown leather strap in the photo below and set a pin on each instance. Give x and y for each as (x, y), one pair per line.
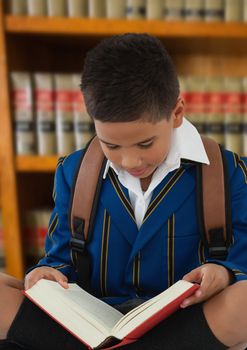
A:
(213, 189)
(86, 184)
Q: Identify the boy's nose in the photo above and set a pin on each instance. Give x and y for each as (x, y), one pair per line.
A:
(129, 163)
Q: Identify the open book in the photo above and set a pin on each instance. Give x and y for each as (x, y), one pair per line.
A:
(99, 325)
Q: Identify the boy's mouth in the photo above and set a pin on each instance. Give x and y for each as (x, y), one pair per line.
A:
(137, 172)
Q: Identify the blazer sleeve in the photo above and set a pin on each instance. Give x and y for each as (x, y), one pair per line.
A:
(237, 257)
(57, 244)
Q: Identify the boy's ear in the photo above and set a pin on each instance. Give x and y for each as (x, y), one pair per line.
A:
(178, 113)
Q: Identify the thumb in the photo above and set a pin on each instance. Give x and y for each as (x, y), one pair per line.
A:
(193, 276)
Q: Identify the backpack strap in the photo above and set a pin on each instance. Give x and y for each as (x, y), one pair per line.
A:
(84, 200)
(213, 202)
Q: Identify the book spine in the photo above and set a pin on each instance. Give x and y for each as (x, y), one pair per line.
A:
(135, 9)
(155, 9)
(214, 10)
(2, 258)
(233, 10)
(45, 115)
(77, 8)
(233, 114)
(115, 8)
(56, 8)
(17, 7)
(83, 123)
(183, 86)
(244, 108)
(22, 107)
(195, 102)
(194, 10)
(35, 230)
(29, 233)
(96, 8)
(174, 9)
(245, 11)
(214, 108)
(64, 113)
(36, 7)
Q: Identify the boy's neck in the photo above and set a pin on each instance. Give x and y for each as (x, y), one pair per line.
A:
(146, 182)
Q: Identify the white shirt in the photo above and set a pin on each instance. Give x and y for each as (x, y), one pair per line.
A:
(186, 143)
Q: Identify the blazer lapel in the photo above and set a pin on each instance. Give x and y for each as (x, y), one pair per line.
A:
(167, 198)
(115, 199)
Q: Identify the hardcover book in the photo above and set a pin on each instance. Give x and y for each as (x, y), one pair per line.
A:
(99, 325)
(135, 9)
(155, 9)
(77, 8)
(214, 10)
(22, 109)
(64, 113)
(174, 10)
(233, 10)
(233, 114)
(194, 10)
(45, 114)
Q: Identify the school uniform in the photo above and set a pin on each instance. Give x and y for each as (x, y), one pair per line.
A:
(137, 234)
(142, 243)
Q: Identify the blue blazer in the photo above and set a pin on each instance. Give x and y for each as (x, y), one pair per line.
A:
(127, 262)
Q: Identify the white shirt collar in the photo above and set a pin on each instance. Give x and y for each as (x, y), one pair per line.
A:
(186, 144)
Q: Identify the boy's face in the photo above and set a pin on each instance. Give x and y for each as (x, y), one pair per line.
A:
(138, 147)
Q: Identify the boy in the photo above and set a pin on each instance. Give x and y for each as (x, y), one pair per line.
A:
(146, 231)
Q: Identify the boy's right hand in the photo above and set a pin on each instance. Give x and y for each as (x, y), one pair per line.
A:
(46, 272)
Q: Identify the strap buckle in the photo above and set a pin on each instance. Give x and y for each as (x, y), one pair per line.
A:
(219, 253)
(77, 244)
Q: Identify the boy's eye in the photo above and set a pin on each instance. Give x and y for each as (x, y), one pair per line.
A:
(146, 144)
(112, 146)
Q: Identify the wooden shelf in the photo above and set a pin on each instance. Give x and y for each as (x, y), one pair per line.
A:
(106, 27)
(36, 163)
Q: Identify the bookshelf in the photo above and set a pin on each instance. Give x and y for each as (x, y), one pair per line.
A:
(103, 27)
(35, 164)
(59, 44)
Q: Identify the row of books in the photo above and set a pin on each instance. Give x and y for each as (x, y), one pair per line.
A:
(49, 113)
(2, 259)
(190, 10)
(217, 106)
(35, 226)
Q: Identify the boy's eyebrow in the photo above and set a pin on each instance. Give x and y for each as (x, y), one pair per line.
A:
(146, 140)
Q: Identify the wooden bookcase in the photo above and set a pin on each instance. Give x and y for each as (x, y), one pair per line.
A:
(59, 44)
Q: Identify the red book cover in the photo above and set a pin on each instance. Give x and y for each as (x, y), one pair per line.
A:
(161, 315)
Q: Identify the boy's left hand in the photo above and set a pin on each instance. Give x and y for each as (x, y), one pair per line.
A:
(213, 279)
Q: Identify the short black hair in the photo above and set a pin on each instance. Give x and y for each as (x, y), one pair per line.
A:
(127, 77)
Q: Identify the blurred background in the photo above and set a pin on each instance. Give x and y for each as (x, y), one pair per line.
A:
(42, 47)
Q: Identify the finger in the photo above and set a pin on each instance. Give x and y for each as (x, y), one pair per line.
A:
(29, 282)
(207, 281)
(194, 299)
(193, 276)
(61, 279)
(34, 276)
(203, 293)
(64, 284)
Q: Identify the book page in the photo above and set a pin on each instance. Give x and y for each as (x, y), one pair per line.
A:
(89, 306)
(143, 312)
(82, 314)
